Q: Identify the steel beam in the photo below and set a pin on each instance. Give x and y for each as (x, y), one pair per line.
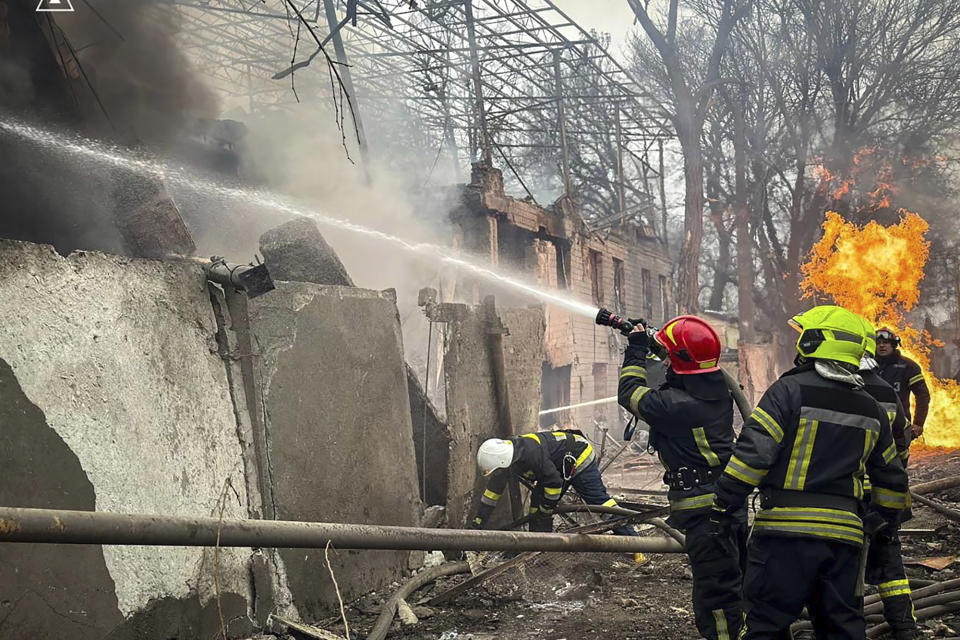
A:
(93, 527)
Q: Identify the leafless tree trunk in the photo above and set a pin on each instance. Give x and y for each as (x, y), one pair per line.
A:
(691, 97)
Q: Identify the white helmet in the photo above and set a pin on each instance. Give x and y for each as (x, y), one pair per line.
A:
(494, 454)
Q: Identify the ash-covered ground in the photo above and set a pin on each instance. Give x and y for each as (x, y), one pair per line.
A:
(610, 596)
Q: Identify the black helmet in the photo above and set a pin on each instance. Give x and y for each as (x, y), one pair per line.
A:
(887, 335)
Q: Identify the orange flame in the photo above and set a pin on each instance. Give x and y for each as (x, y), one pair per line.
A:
(876, 271)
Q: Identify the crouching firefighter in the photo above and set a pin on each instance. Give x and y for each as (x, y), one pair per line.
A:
(884, 556)
(691, 428)
(547, 463)
(806, 447)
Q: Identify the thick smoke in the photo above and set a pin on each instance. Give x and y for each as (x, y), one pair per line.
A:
(119, 77)
(150, 90)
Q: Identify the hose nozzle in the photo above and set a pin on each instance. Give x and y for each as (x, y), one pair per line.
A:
(607, 319)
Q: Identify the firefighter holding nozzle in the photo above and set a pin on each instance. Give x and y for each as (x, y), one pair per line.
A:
(691, 429)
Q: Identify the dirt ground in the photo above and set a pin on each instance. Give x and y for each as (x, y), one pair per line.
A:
(609, 596)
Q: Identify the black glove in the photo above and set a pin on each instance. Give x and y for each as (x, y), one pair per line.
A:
(721, 521)
(639, 338)
(549, 507)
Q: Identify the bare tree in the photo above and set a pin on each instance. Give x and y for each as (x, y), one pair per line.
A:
(691, 88)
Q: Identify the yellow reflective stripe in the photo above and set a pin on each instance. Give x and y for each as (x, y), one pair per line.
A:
(532, 436)
(800, 455)
(816, 529)
(861, 483)
(890, 453)
(633, 371)
(609, 503)
(587, 452)
(889, 499)
(744, 472)
(721, 621)
(635, 398)
(704, 445)
(696, 502)
(894, 588)
(552, 491)
(533, 510)
(838, 516)
(767, 422)
(915, 379)
(492, 495)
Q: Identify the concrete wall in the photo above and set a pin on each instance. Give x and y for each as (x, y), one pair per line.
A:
(339, 435)
(115, 399)
(131, 385)
(472, 413)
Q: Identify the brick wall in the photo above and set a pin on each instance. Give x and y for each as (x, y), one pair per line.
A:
(593, 353)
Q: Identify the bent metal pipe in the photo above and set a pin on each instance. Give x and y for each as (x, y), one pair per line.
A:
(93, 527)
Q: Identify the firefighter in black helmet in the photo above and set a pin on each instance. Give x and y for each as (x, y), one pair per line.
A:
(806, 447)
(905, 376)
(884, 559)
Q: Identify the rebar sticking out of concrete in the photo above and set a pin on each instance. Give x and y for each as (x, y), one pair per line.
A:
(93, 527)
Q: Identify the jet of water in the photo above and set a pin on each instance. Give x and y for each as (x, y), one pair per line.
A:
(589, 403)
(104, 154)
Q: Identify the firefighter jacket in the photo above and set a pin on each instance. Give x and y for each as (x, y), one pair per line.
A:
(691, 428)
(548, 460)
(905, 375)
(806, 447)
(888, 400)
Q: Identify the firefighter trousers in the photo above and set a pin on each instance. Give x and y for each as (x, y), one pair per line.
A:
(885, 569)
(589, 485)
(784, 574)
(717, 566)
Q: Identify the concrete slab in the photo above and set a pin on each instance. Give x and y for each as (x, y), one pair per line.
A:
(120, 357)
(472, 414)
(339, 434)
(297, 252)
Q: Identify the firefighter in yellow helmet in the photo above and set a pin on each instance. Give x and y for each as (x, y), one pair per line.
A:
(806, 447)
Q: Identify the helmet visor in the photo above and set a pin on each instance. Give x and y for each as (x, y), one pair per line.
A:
(796, 326)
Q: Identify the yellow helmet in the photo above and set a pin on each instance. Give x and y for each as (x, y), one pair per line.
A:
(870, 335)
(828, 332)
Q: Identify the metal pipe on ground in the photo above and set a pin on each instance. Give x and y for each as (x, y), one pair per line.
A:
(921, 615)
(926, 595)
(936, 485)
(92, 527)
(947, 512)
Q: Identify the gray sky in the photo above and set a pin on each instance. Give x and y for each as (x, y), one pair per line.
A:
(611, 16)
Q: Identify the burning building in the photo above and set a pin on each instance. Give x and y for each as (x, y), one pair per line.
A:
(625, 268)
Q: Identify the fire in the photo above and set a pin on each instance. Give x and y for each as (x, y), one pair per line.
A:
(876, 271)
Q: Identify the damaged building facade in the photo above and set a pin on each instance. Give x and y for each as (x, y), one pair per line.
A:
(625, 269)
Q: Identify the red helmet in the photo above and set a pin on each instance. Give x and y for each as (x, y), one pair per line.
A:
(692, 344)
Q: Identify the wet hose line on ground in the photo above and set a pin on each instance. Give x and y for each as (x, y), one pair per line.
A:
(650, 517)
(389, 610)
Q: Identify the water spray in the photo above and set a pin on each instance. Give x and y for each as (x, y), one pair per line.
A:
(589, 403)
(116, 157)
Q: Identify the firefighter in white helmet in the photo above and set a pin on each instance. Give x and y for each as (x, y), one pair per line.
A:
(549, 462)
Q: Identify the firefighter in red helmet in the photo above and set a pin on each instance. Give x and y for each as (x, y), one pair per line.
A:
(691, 428)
